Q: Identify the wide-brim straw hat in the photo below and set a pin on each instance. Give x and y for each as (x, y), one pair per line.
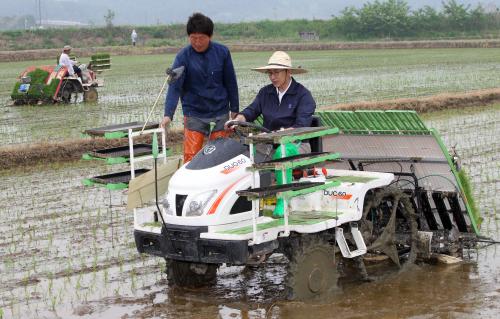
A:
(280, 61)
(67, 48)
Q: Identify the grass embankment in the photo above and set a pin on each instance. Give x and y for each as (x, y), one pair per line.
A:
(71, 150)
(40, 54)
(433, 103)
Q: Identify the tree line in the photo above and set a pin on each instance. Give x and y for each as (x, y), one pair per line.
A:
(393, 18)
(388, 19)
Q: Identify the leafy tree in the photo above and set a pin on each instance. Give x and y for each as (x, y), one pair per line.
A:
(426, 20)
(109, 17)
(456, 14)
(385, 19)
(478, 19)
(348, 23)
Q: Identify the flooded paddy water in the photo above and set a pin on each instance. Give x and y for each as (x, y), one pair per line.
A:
(67, 251)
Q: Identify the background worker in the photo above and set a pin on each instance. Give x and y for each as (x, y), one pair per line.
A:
(208, 89)
(133, 37)
(65, 60)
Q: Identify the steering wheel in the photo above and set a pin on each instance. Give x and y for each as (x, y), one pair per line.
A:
(239, 125)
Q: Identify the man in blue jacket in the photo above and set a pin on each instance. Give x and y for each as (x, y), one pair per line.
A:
(208, 89)
(284, 103)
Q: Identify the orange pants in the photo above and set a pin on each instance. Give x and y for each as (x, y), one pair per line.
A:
(193, 142)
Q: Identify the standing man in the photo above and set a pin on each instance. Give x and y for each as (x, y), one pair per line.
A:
(133, 36)
(208, 89)
(65, 60)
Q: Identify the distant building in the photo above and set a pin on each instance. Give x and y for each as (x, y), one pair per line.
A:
(62, 24)
(309, 35)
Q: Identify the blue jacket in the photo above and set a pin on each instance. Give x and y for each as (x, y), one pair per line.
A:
(208, 87)
(296, 108)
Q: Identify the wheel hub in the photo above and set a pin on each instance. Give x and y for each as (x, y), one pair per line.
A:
(316, 280)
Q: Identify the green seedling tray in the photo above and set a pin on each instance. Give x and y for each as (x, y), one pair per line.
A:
(114, 181)
(118, 130)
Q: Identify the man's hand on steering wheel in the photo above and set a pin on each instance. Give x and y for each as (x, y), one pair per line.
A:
(237, 118)
(235, 125)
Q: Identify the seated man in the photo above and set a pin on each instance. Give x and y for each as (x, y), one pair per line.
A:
(68, 63)
(284, 103)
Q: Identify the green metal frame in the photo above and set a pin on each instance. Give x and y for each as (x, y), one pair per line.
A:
(296, 163)
(397, 122)
(375, 122)
(471, 209)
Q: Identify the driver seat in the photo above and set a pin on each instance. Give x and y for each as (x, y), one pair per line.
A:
(316, 142)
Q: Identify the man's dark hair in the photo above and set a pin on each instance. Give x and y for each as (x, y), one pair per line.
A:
(199, 23)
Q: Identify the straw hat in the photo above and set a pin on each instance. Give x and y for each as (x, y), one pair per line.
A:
(67, 48)
(280, 61)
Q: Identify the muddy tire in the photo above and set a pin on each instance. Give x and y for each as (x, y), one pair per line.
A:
(67, 88)
(189, 274)
(90, 96)
(389, 225)
(312, 270)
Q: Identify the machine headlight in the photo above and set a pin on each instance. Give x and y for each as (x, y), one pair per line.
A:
(197, 203)
(167, 208)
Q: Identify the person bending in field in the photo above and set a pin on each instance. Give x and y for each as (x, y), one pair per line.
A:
(283, 104)
(68, 63)
(208, 89)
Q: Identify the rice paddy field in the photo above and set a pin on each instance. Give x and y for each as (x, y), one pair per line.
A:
(67, 251)
(133, 84)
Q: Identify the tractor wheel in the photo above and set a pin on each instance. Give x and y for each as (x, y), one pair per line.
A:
(389, 225)
(67, 89)
(312, 270)
(90, 96)
(190, 274)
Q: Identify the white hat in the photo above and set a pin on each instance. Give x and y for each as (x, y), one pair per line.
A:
(280, 61)
(67, 48)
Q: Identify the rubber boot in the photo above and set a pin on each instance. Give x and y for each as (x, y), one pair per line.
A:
(193, 141)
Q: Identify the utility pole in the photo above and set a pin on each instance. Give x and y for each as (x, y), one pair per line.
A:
(40, 12)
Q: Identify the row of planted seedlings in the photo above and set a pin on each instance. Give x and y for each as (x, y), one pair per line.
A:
(471, 133)
(355, 79)
(59, 250)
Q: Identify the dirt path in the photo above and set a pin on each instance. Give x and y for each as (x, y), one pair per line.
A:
(21, 155)
(23, 55)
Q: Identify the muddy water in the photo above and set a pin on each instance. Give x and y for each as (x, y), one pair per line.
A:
(67, 251)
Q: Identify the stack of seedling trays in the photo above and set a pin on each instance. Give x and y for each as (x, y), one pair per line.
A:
(118, 155)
